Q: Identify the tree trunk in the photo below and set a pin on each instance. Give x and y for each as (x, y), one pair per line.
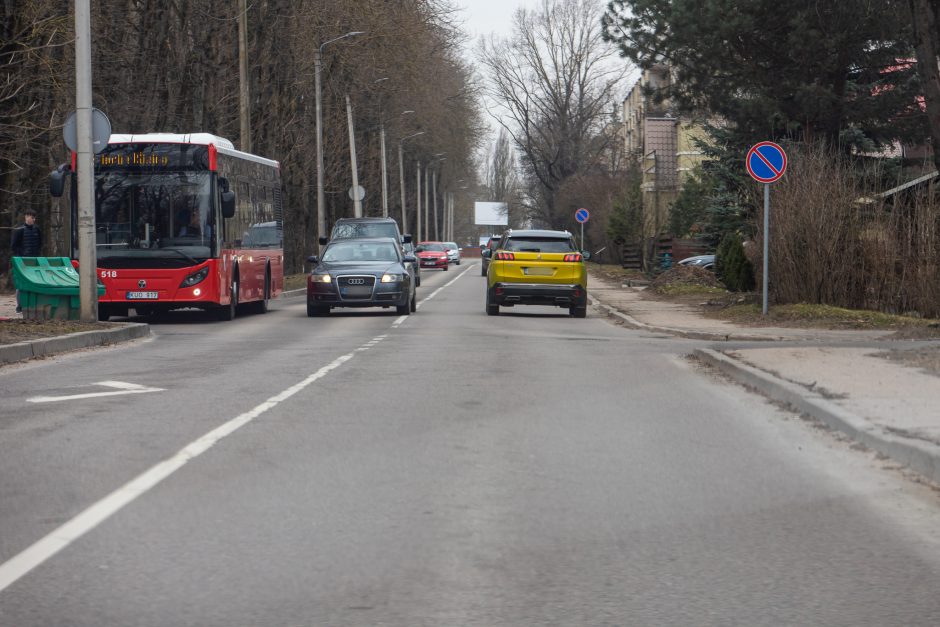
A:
(927, 45)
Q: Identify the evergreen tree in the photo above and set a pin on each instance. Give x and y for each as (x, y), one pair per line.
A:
(806, 70)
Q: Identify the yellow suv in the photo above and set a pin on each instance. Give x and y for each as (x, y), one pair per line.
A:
(536, 268)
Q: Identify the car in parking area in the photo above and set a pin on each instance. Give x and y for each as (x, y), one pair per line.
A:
(701, 261)
(361, 272)
(432, 255)
(453, 253)
(537, 267)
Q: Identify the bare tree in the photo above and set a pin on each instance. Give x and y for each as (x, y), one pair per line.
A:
(501, 177)
(553, 82)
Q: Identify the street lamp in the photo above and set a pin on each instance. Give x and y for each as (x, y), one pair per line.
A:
(401, 180)
(427, 223)
(321, 200)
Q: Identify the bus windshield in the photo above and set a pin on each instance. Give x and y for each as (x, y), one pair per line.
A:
(166, 216)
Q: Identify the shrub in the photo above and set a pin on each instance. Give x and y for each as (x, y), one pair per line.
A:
(733, 266)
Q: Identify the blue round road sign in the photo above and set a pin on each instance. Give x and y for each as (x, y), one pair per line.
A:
(766, 162)
(582, 215)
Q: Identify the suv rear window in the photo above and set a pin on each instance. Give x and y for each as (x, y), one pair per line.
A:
(539, 244)
(361, 229)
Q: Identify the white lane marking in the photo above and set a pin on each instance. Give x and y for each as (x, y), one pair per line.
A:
(124, 388)
(56, 540)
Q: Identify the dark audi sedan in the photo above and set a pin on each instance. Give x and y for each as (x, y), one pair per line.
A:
(365, 272)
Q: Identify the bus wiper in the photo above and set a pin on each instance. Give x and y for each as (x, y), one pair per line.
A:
(183, 255)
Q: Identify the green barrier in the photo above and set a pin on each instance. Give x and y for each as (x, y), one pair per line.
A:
(49, 288)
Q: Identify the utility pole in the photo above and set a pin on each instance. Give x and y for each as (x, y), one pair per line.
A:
(87, 255)
(384, 173)
(401, 180)
(418, 202)
(243, 103)
(321, 196)
(357, 201)
(437, 233)
(427, 189)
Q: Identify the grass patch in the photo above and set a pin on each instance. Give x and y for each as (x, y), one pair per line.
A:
(295, 281)
(21, 330)
(806, 315)
(679, 289)
(614, 272)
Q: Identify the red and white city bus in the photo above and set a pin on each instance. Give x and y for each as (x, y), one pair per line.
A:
(183, 221)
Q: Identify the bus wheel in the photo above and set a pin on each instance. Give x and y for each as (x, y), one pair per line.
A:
(227, 312)
(262, 305)
(104, 313)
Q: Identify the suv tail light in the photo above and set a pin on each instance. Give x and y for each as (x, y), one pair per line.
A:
(573, 257)
(504, 256)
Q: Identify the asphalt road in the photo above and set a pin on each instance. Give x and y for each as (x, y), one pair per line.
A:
(446, 468)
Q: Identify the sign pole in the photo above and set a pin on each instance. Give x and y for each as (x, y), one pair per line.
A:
(582, 236)
(766, 244)
(766, 162)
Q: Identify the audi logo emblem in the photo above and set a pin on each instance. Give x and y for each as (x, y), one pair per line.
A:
(141, 283)
(356, 281)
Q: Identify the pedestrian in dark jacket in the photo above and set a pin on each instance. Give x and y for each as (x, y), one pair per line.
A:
(26, 242)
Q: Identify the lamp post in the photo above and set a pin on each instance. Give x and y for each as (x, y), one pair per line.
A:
(321, 200)
(437, 158)
(401, 180)
(385, 162)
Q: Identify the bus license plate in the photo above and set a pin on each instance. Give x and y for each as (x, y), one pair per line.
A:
(141, 296)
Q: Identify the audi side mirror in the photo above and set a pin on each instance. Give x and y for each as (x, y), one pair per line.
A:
(313, 259)
(410, 259)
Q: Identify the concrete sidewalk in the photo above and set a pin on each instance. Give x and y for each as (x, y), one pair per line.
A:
(855, 381)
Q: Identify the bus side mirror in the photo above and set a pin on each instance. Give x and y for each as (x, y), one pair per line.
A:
(228, 204)
(57, 181)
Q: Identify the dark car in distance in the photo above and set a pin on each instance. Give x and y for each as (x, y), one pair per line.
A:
(361, 272)
(490, 246)
(353, 228)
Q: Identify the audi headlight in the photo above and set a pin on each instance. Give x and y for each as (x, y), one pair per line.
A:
(391, 278)
(321, 278)
(195, 277)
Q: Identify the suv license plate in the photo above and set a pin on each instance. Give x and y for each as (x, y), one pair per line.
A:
(141, 296)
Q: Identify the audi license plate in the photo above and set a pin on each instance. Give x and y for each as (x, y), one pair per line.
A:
(141, 296)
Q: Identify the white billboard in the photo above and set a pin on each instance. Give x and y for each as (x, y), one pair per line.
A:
(490, 214)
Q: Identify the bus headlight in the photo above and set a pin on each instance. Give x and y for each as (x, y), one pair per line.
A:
(195, 277)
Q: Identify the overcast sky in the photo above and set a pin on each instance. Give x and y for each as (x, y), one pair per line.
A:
(482, 17)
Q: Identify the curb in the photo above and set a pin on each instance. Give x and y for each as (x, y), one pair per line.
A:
(692, 335)
(920, 456)
(22, 351)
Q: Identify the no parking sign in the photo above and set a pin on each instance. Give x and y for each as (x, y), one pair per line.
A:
(766, 162)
